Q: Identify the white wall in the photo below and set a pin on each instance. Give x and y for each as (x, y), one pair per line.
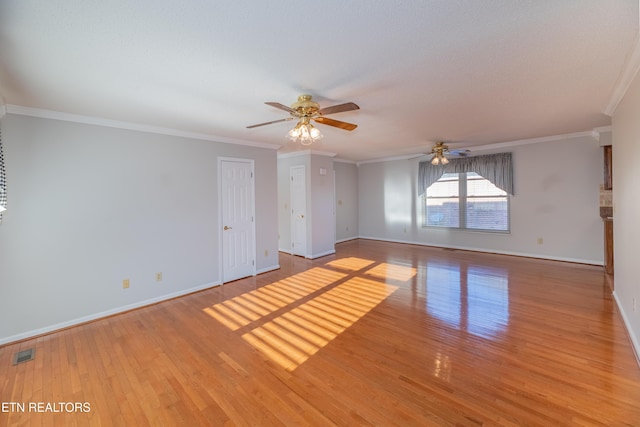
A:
(346, 200)
(557, 199)
(323, 198)
(626, 211)
(90, 206)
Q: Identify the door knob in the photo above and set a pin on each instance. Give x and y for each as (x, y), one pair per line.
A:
(226, 228)
(301, 216)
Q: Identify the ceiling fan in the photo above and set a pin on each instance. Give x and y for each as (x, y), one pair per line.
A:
(440, 152)
(305, 109)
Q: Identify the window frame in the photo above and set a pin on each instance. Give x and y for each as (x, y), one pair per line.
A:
(462, 207)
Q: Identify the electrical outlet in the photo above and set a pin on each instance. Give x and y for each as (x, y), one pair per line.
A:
(266, 252)
(125, 284)
(159, 276)
(635, 306)
(540, 240)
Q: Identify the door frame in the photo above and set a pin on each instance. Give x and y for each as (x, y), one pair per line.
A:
(292, 225)
(253, 213)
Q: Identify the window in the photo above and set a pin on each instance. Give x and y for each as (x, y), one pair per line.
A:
(468, 201)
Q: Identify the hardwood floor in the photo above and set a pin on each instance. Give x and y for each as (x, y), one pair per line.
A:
(379, 334)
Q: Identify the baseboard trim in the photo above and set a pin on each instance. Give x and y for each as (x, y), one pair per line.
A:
(321, 254)
(92, 317)
(268, 269)
(491, 251)
(635, 343)
(313, 256)
(347, 239)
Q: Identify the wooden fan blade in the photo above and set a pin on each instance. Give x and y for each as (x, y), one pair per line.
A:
(348, 106)
(281, 107)
(268, 123)
(335, 123)
(461, 153)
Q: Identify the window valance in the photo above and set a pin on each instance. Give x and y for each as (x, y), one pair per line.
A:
(497, 168)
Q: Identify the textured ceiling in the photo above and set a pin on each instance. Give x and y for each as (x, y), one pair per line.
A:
(469, 72)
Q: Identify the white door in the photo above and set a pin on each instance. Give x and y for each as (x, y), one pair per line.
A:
(237, 222)
(298, 211)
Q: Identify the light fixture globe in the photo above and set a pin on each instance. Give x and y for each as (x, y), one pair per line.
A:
(305, 133)
(315, 133)
(294, 133)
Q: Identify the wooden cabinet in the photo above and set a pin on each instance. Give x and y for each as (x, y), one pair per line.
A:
(606, 212)
(608, 245)
(608, 163)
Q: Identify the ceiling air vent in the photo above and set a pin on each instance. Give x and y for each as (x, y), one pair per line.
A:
(24, 356)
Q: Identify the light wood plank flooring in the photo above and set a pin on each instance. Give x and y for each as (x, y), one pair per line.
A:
(379, 334)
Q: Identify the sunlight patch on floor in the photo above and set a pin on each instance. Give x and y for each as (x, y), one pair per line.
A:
(290, 339)
(386, 271)
(350, 263)
(246, 308)
(301, 316)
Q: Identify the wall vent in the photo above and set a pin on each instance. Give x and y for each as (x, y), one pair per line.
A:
(24, 356)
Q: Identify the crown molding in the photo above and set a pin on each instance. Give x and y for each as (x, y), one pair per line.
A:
(388, 159)
(323, 153)
(294, 154)
(305, 153)
(98, 121)
(603, 135)
(351, 162)
(594, 134)
(532, 141)
(603, 129)
(627, 74)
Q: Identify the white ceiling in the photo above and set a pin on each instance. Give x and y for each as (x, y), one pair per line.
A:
(469, 72)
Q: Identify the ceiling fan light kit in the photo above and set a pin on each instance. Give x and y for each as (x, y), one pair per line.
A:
(439, 159)
(305, 133)
(306, 109)
(440, 149)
